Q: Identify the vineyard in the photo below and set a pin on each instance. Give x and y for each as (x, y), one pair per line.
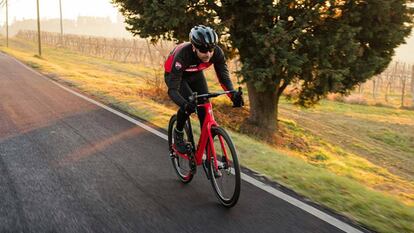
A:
(393, 87)
(121, 50)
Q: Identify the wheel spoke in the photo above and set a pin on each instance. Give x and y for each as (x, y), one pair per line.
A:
(226, 182)
(181, 165)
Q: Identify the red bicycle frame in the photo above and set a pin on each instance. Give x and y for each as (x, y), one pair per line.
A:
(206, 137)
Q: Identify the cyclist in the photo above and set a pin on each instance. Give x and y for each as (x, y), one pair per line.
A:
(184, 74)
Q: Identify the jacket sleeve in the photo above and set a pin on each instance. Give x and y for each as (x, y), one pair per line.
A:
(222, 71)
(174, 81)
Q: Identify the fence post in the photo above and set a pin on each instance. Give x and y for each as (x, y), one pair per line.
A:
(135, 51)
(387, 85)
(412, 86)
(38, 30)
(150, 54)
(129, 52)
(403, 79)
(114, 49)
(374, 87)
(156, 81)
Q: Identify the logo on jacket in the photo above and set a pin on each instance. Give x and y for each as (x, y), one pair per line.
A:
(178, 65)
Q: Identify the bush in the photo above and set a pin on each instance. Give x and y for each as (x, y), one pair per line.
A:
(355, 99)
(350, 99)
(336, 97)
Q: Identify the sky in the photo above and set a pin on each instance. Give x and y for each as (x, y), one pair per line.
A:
(405, 52)
(26, 9)
(71, 9)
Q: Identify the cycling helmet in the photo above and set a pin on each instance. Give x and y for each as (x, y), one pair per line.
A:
(203, 38)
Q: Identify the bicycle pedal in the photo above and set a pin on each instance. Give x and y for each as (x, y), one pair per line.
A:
(172, 156)
(217, 174)
(188, 148)
(193, 166)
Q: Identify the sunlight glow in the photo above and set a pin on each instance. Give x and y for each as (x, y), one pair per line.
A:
(71, 9)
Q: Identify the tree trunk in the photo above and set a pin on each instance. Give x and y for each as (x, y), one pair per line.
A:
(263, 108)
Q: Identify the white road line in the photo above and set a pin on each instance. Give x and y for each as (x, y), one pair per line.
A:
(305, 207)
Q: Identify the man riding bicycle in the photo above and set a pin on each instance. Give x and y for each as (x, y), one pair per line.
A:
(184, 74)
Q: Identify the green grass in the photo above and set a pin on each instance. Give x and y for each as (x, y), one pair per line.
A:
(395, 139)
(339, 170)
(384, 136)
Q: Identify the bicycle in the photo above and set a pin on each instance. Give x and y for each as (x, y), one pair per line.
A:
(212, 152)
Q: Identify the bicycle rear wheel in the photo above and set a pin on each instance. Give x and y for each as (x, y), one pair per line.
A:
(225, 180)
(182, 166)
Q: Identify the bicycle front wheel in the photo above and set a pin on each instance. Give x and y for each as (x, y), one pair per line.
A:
(226, 178)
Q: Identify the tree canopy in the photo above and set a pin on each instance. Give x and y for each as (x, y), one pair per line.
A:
(316, 46)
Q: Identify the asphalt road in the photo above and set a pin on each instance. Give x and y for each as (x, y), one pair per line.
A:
(67, 165)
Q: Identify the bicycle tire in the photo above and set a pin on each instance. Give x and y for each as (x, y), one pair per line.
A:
(229, 169)
(182, 167)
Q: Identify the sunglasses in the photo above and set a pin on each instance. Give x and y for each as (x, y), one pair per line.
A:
(205, 50)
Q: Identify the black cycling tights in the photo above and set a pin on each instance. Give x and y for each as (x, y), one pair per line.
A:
(192, 82)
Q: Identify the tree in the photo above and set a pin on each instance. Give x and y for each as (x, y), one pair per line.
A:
(315, 46)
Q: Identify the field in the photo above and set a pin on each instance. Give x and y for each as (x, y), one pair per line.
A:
(354, 159)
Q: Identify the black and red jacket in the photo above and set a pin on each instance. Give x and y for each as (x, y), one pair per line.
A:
(183, 60)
